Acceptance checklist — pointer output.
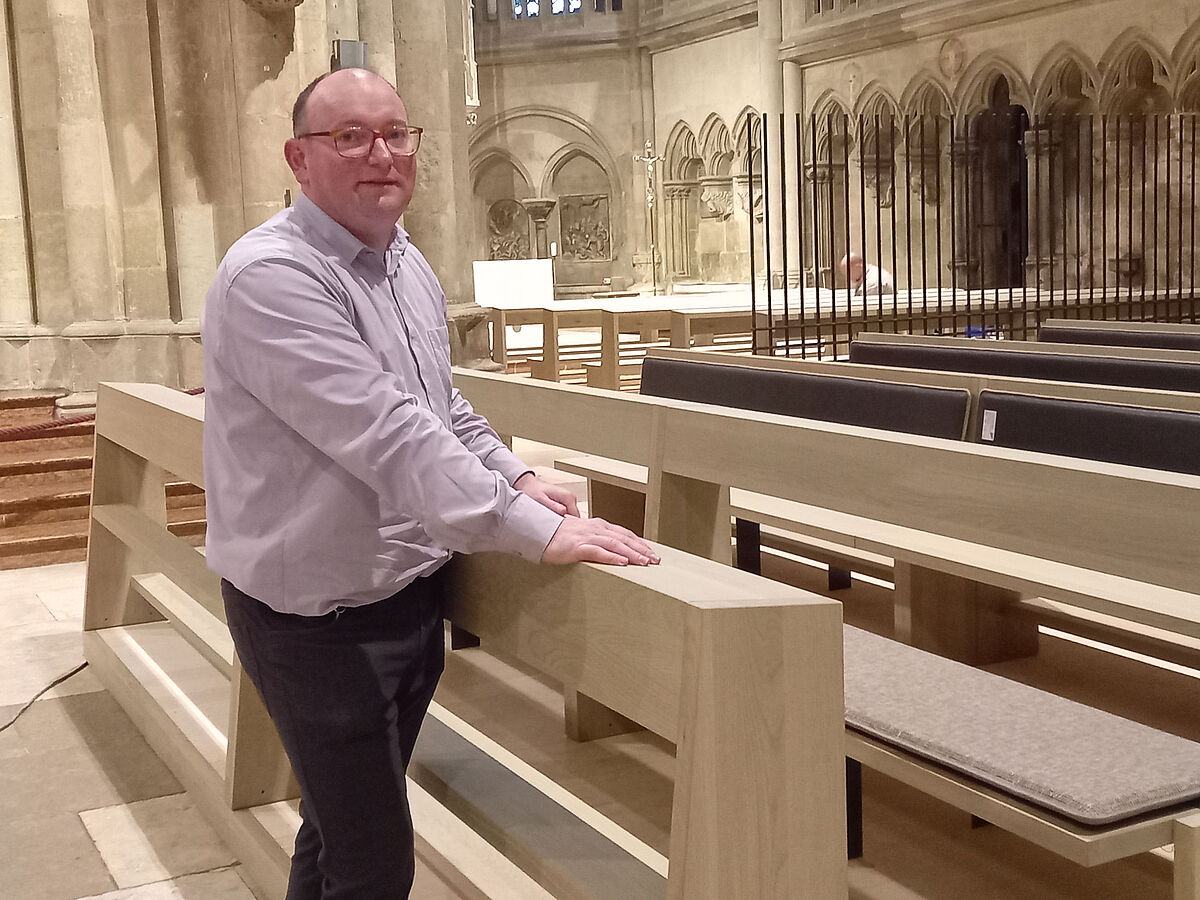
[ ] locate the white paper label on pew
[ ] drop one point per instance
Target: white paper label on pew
(989, 425)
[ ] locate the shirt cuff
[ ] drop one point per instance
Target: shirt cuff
(528, 528)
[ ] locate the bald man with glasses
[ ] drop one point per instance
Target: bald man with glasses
(343, 469)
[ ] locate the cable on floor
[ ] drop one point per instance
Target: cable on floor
(55, 683)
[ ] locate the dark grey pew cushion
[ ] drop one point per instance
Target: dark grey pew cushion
(1085, 764)
(1115, 337)
(1131, 435)
(912, 409)
(1158, 374)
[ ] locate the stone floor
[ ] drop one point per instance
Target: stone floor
(88, 809)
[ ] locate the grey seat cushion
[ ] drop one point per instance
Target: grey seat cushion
(1082, 763)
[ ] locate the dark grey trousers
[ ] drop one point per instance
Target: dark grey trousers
(347, 692)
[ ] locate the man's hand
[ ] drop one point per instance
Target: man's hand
(594, 540)
(550, 496)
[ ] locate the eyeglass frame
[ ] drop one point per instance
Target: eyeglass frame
(375, 136)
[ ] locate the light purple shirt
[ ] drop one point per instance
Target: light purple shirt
(340, 463)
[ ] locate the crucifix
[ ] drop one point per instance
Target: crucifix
(650, 159)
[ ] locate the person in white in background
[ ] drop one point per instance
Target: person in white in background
(864, 278)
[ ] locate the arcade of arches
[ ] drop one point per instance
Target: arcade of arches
(138, 140)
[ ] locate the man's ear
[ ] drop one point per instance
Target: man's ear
(297, 159)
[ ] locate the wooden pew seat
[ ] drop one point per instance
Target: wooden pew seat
(1081, 782)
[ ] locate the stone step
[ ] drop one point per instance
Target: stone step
(43, 463)
(45, 436)
(73, 490)
(44, 543)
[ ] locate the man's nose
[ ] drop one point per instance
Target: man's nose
(376, 144)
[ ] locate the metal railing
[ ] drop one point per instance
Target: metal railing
(984, 225)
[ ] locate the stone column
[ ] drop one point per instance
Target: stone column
(770, 35)
(539, 210)
(91, 230)
(643, 229)
(121, 39)
(966, 256)
(432, 81)
(821, 175)
(1039, 144)
(676, 214)
(197, 137)
(793, 105)
(265, 78)
(16, 294)
(375, 25)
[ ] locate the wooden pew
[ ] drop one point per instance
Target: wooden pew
(1159, 426)
(1111, 333)
(700, 653)
(1177, 370)
(959, 518)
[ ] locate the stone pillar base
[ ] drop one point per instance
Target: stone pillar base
(469, 342)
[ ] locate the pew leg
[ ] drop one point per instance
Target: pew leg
(839, 579)
(460, 638)
(1187, 857)
(958, 618)
(749, 552)
(854, 823)
(589, 720)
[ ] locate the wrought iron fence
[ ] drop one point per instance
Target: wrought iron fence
(981, 225)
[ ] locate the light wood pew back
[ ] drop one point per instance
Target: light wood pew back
(700, 653)
(1012, 501)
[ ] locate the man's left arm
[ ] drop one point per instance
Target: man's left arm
(481, 439)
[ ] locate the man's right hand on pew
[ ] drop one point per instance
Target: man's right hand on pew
(598, 541)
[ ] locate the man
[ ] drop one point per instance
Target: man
(865, 279)
(342, 470)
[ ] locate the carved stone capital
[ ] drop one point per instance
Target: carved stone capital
(272, 7)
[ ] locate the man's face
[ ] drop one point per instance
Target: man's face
(368, 195)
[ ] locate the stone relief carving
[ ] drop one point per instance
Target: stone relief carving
(508, 230)
(584, 223)
(716, 201)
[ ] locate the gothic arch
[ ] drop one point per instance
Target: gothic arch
(979, 80)
(748, 120)
(925, 95)
(875, 99)
(1066, 81)
(682, 154)
(491, 128)
(833, 125)
(716, 146)
(492, 155)
(1135, 74)
(564, 155)
(1186, 64)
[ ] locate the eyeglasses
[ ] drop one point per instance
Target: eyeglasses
(356, 141)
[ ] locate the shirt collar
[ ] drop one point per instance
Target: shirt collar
(341, 242)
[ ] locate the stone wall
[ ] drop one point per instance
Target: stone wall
(139, 140)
